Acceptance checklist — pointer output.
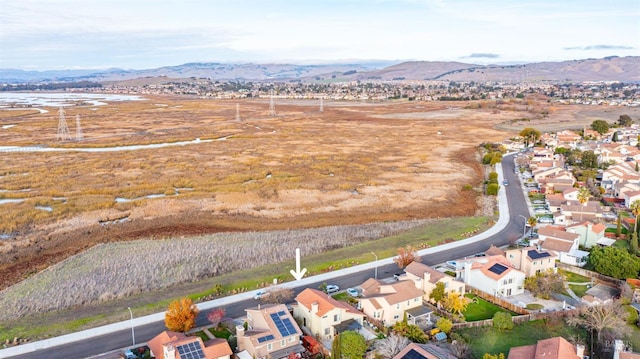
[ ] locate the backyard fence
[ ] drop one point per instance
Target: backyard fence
(519, 319)
(593, 275)
(495, 300)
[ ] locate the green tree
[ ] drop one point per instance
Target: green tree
(614, 262)
(352, 345)
(530, 135)
(625, 121)
(635, 209)
(532, 221)
(619, 226)
(444, 324)
(544, 283)
(589, 159)
(600, 126)
(437, 293)
(583, 198)
(634, 244)
(615, 137)
(336, 347)
(502, 321)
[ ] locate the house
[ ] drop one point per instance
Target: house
(493, 275)
(565, 244)
(426, 279)
(590, 211)
(271, 333)
(173, 345)
(630, 197)
(531, 260)
(388, 302)
(552, 348)
(324, 316)
(589, 233)
(424, 351)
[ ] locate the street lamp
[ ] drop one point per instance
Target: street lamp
(133, 335)
(375, 275)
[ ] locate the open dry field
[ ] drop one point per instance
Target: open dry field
(353, 163)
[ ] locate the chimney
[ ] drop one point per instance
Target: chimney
(240, 337)
(618, 347)
(314, 307)
(169, 352)
(580, 351)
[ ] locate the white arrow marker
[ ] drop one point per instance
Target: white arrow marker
(298, 274)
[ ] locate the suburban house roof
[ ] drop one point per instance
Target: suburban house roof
(267, 324)
(423, 351)
(494, 251)
(595, 228)
(494, 267)
(534, 253)
(325, 302)
(393, 292)
(211, 349)
(552, 348)
(558, 245)
(557, 232)
(419, 269)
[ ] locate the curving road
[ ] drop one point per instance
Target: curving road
(235, 306)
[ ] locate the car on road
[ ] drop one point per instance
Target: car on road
(505, 183)
(353, 292)
(332, 288)
(260, 294)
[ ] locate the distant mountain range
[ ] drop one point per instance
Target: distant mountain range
(623, 69)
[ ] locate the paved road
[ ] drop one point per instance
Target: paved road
(517, 209)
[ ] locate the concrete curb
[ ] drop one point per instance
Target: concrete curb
(503, 221)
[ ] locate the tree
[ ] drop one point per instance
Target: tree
(444, 324)
(635, 209)
(610, 317)
(492, 189)
(502, 321)
(493, 177)
(583, 198)
(615, 137)
(406, 255)
(411, 331)
(391, 345)
(530, 135)
(455, 303)
(352, 345)
(278, 296)
(437, 293)
(588, 159)
(619, 226)
(490, 356)
(600, 126)
(532, 221)
(614, 262)
(216, 315)
(625, 121)
(181, 315)
(336, 347)
(543, 284)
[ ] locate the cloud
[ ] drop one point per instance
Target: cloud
(482, 56)
(600, 47)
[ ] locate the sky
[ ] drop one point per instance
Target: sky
(138, 34)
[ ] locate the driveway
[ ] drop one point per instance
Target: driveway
(525, 298)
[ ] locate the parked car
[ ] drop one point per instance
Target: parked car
(353, 292)
(260, 294)
(538, 201)
(545, 220)
(331, 288)
(397, 276)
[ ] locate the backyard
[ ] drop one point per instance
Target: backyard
(480, 309)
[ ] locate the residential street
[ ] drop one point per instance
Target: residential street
(518, 213)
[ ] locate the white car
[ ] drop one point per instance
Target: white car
(545, 220)
(331, 288)
(259, 294)
(353, 292)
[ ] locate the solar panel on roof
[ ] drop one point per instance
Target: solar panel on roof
(265, 338)
(498, 268)
(289, 326)
(191, 350)
(413, 354)
(281, 313)
(534, 254)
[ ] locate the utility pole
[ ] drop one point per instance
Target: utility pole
(133, 335)
(63, 130)
(272, 106)
(79, 136)
(375, 273)
(238, 113)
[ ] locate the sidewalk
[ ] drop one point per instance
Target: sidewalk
(502, 222)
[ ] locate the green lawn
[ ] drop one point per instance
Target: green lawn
(621, 243)
(572, 277)
(489, 340)
(480, 309)
(202, 335)
(579, 290)
(220, 333)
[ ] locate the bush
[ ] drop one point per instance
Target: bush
(444, 324)
(502, 321)
(492, 189)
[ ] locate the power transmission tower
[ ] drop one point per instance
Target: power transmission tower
(238, 119)
(272, 106)
(321, 106)
(63, 130)
(79, 136)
